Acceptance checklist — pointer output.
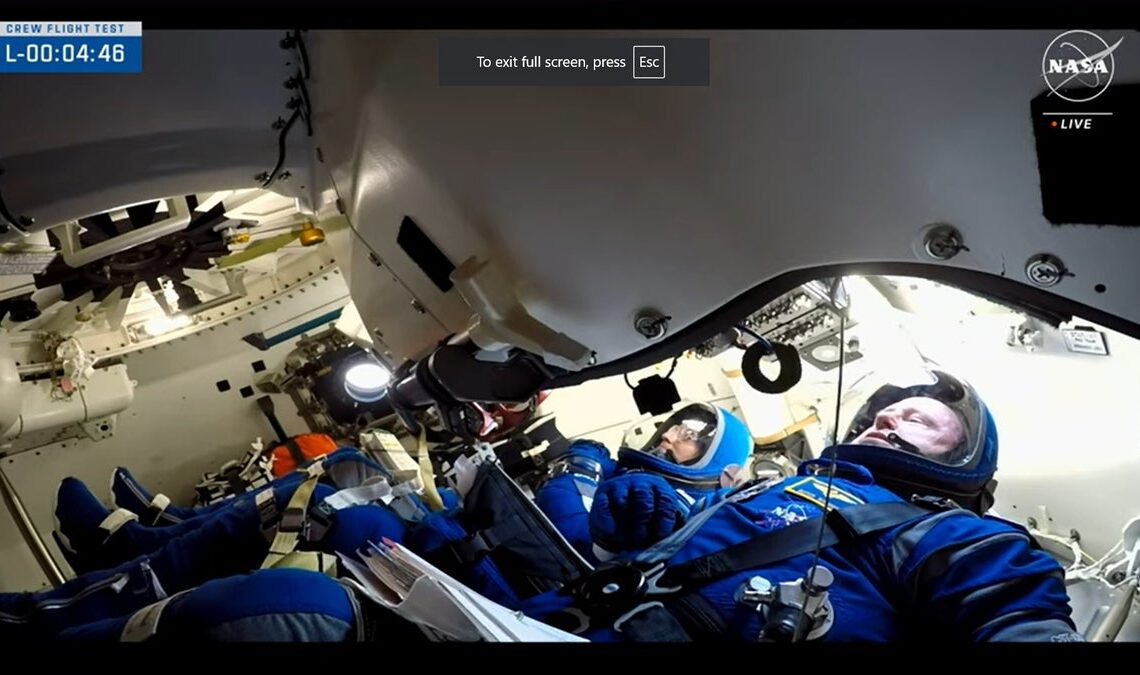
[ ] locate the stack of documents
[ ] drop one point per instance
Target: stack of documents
(447, 610)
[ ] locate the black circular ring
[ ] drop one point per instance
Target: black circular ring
(790, 368)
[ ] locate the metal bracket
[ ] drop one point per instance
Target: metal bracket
(100, 429)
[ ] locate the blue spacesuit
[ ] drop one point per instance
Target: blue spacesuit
(719, 445)
(832, 553)
(206, 558)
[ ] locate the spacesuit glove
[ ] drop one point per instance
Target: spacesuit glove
(634, 511)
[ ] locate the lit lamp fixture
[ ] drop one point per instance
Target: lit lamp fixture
(366, 382)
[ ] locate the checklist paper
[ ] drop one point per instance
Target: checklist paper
(407, 584)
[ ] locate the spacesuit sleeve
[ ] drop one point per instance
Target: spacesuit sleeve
(981, 580)
(566, 497)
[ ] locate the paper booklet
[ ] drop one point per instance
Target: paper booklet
(447, 610)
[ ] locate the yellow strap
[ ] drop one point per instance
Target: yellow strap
(431, 495)
(788, 431)
(284, 542)
(313, 561)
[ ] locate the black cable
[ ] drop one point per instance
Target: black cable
(625, 376)
(759, 338)
(7, 215)
(281, 148)
(810, 580)
(300, 42)
(306, 106)
(306, 71)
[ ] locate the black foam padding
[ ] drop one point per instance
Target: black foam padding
(1085, 173)
(425, 253)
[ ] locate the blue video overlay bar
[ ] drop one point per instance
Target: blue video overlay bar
(71, 47)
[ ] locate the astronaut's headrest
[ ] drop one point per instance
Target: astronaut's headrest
(926, 432)
(695, 444)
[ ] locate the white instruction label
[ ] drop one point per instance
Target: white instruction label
(1085, 341)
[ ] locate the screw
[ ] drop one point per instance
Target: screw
(375, 259)
(1045, 270)
(1031, 522)
(418, 307)
(943, 242)
(651, 324)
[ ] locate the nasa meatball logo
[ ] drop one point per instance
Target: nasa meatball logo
(1078, 65)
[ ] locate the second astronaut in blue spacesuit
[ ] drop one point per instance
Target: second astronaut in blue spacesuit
(698, 450)
(881, 539)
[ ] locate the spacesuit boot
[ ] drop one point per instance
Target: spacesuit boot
(154, 508)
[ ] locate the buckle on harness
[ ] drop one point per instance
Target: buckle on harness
(934, 503)
(293, 520)
(615, 587)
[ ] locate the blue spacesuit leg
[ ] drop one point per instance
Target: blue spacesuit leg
(274, 605)
(88, 546)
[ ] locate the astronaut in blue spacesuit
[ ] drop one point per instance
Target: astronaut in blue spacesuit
(695, 452)
(881, 539)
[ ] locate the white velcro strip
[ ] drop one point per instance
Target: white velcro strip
(117, 519)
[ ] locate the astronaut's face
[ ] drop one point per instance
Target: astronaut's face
(926, 423)
(680, 444)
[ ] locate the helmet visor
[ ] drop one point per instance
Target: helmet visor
(686, 436)
(930, 414)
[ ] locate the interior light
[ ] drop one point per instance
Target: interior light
(366, 382)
